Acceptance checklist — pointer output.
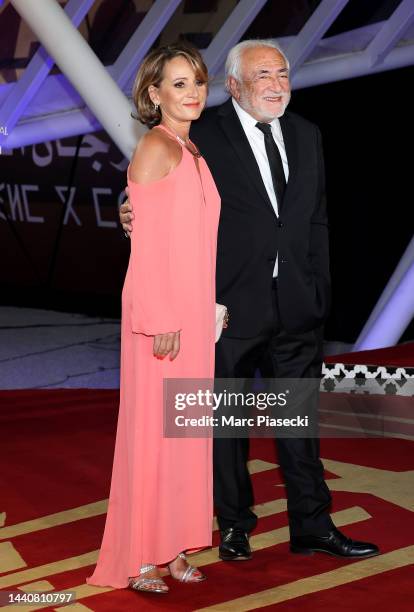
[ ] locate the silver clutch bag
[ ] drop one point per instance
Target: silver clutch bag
(221, 314)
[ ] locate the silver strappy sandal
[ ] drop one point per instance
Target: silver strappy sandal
(191, 574)
(148, 585)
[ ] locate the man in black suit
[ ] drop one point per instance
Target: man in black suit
(273, 276)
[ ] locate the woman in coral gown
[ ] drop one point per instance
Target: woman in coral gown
(161, 501)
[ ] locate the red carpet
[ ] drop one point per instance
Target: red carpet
(56, 455)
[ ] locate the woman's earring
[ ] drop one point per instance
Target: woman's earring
(156, 107)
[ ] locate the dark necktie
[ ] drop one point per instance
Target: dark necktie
(275, 162)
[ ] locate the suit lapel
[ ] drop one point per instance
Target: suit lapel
(232, 128)
(291, 146)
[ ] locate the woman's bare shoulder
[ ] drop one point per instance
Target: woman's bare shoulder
(154, 157)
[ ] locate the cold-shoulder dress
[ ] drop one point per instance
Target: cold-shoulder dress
(161, 497)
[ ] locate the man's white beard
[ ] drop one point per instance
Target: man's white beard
(249, 108)
(286, 100)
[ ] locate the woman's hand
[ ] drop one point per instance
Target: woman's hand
(226, 320)
(165, 344)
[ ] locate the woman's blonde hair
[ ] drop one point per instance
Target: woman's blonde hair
(151, 73)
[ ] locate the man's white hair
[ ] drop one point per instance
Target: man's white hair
(233, 61)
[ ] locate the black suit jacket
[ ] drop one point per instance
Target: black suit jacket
(250, 233)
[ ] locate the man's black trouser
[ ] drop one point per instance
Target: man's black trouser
(281, 355)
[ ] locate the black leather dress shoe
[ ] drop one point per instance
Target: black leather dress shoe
(234, 545)
(335, 543)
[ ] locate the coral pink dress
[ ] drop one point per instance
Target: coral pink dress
(161, 498)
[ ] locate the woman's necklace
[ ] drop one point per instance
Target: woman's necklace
(190, 146)
(192, 149)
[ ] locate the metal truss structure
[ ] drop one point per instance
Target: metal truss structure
(88, 96)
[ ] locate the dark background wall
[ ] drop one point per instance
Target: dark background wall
(367, 128)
